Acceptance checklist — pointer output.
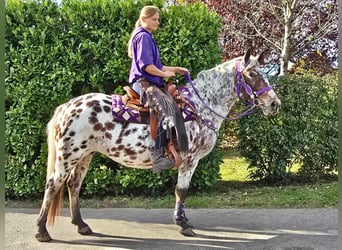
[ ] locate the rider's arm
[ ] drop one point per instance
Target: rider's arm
(153, 70)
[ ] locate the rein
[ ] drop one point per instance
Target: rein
(241, 84)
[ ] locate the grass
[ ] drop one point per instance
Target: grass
(235, 190)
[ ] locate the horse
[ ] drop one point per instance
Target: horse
(84, 125)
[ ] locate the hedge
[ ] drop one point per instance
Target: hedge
(56, 52)
(304, 135)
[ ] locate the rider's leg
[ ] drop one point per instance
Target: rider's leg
(160, 160)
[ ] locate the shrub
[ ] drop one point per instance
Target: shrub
(304, 132)
(54, 53)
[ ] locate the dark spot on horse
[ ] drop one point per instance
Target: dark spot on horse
(113, 149)
(75, 149)
(92, 120)
(66, 139)
(97, 109)
(127, 132)
(121, 147)
(109, 125)
(98, 126)
(134, 130)
(83, 146)
(191, 136)
(133, 158)
(72, 133)
(108, 135)
(78, 104)
(93, 114)
(69, 122)
(49, 183)
(59, 158)
(89, 96)
(66, 155)
(108, 102)
(84, 142)
(79, 110)
(118, 141)
(91, 137)
(90, 104)
(138, 144)
(129, 151)
(107, 109)
(73, 113)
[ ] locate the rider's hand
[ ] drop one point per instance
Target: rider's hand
(182, 70)
(168, 74)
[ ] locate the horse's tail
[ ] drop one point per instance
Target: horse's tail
(57, 202)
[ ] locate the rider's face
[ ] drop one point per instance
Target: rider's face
(151, 23)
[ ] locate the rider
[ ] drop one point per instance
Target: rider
(146, 78)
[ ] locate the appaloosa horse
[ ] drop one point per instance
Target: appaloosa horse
(85, 125)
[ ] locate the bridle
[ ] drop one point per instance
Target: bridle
(241, 84)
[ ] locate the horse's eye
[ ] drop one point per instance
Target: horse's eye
(253, 74)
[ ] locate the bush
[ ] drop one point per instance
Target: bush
(54, 53)
(304, 132)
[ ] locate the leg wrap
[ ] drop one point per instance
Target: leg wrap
(179, 217)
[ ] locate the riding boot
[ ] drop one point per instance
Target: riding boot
(160, 162)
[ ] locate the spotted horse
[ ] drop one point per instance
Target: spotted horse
(85, 125)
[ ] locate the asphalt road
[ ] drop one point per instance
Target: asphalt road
(121, 228)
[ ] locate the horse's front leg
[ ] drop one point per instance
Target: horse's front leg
(181, 191)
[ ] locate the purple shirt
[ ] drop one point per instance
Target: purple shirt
(144, 52)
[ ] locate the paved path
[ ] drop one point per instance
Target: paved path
(120, 228)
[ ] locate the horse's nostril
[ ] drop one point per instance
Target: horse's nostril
(275, 105)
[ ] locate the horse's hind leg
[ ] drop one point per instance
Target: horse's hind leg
(51, 204)
(74, 183)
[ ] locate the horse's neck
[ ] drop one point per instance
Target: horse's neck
(217, 89)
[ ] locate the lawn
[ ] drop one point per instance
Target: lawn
(235, 190)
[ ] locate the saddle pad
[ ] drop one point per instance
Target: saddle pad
(122, 113)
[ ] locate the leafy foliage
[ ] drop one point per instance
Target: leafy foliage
(56, 52)
(304, 132)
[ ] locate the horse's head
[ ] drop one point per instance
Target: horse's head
(254, 87)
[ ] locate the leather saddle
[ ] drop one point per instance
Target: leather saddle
(132, 100)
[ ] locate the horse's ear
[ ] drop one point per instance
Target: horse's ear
(262, 56)
(246, 56)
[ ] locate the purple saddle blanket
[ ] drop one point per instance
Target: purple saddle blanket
(122, 113)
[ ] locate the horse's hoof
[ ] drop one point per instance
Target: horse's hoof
(85, 230)
(188, 224)
(43, 237)
(187, 232)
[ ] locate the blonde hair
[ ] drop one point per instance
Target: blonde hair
(146, 11)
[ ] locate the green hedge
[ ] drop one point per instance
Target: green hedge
(54, 53)
(304, 133)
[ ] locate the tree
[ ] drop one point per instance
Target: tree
(291, 29)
